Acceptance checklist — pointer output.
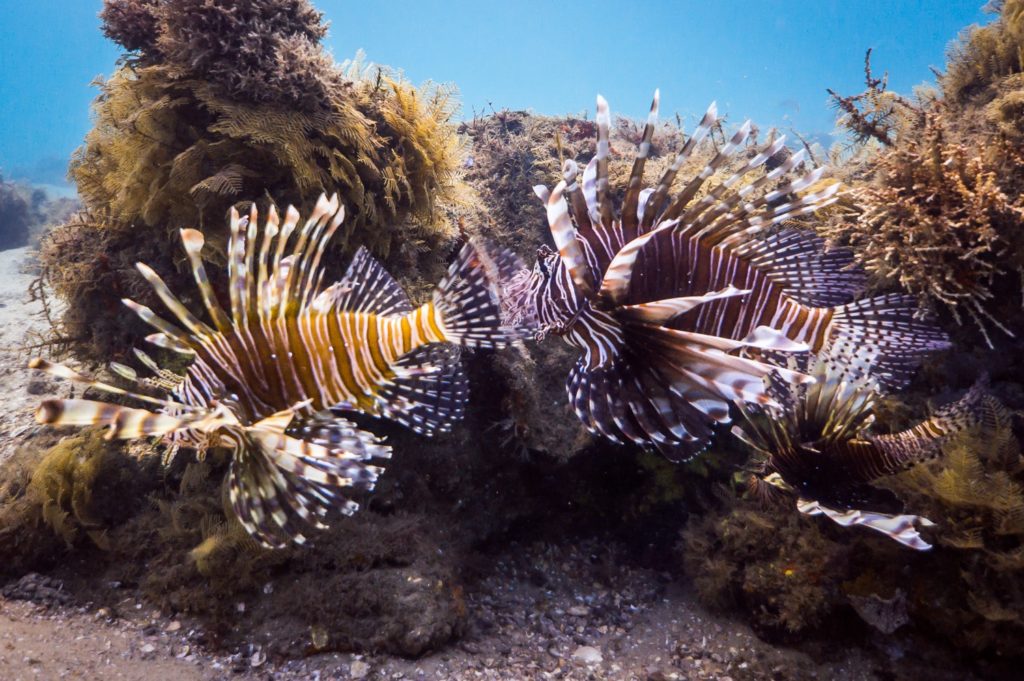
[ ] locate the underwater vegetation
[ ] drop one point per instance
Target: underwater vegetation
(269, 380)
(940, 208)
(216, 104)
(679, 302)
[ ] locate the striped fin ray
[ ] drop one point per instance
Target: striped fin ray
(122, 422)
(604, 203)
(428, 393)
(799, 262)
(715, 196)
(61, 371)
(191, 322)
(569, 247)
(655, 205)
(662, 311)
(631, 202)
(900, 451)
(280, 484)
(193, 241)
(880, 337)
(366, 287)
(899, 528)
(682, 199)
(469, 297)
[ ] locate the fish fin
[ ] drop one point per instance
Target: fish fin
(569, 246)
(799, 263)
(631, 201)
(662, 311)
(189, 320)
(193, 241)
(604, 121)
(656, 204)
(366, 287)
(880, 337)
(280, 484)
(732, 147)
(924, 441)
(630, 399)
(470, 296)
(124, 423)
(899, 528)
(428, 393)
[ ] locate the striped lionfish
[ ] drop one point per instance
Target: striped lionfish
(266, 380)
(682, 305)
(816, 446)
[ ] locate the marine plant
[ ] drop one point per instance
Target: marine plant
(939, 198)
(938, 221)
(267, 380)
(975, 493)
(681, 303)
(218, 102)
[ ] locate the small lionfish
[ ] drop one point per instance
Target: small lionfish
(815, 445)
(663, 293)
(265, 381)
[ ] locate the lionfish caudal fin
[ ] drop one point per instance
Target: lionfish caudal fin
(900, 528)
(471, 296)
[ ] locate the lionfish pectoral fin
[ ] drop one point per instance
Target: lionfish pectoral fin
(279, 484)
(124, 422)
(899, 528)
(428, 391)
(471, 296)
(767, 338)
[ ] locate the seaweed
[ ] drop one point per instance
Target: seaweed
(219, 101)
(937, 179)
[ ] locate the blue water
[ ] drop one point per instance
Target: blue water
(766, 60)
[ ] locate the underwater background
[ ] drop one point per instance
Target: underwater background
(525, 543)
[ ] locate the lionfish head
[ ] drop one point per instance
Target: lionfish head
(540, 297)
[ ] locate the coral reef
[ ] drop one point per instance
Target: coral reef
(185, 129)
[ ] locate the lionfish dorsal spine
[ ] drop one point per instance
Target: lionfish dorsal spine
(630, 206)
(655, 204)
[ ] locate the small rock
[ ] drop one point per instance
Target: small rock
(359, 670)
(174, 626)
(579, 611)
(588, 655)
(148, 649)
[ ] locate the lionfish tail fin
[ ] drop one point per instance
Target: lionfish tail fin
(280, 484)
(470, 297)
(900, 528)
(881, 337)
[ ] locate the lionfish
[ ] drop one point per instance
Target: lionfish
(682, 305)
(268, 379)
(816, 446)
